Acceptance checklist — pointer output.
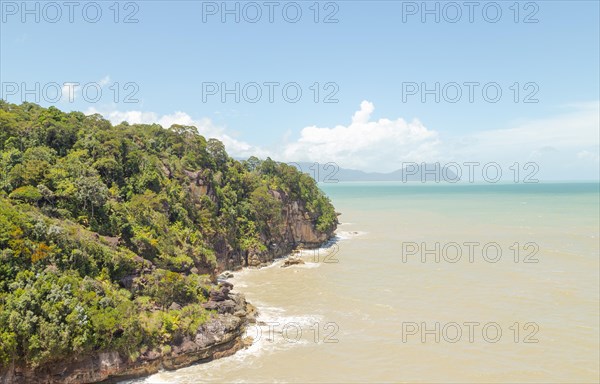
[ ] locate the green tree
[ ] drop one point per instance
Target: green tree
(216, 149)
(27, 194)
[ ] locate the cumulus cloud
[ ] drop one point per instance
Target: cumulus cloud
(365, 143)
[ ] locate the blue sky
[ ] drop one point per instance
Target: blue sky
(371, 59)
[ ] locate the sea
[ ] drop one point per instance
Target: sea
(430, 283)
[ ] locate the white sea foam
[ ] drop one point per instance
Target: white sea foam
(309, 265)
(347, 235)
(275, 330)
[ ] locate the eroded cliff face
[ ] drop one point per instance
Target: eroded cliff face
(298, 229)
(221, 336)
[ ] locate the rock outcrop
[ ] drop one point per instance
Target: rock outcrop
(221, 336)
(298, 230)
(292, 261)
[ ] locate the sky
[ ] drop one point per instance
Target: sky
(369, 85)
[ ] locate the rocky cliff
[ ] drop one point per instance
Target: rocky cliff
(298, 229)
(220, 336)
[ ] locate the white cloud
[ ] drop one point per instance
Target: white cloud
(570, 131)
(564, 146)
(70, 90)
(589, 156)
(104, 81)
(364, 144)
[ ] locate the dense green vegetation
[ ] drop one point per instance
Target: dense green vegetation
(103, 227)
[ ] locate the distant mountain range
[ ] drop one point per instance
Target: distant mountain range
(331, 172)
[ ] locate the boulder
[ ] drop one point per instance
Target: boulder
(292, 261)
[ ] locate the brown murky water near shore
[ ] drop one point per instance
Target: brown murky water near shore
(386, 304)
